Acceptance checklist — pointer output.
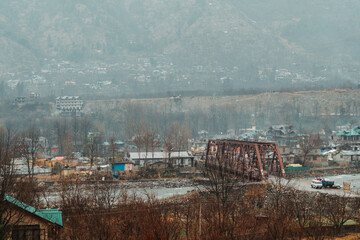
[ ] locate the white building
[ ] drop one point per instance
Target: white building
(69, 104)
(175, 159)
(344, 157)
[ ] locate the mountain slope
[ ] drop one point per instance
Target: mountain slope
(190, 32)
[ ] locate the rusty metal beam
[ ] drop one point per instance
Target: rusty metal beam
(250, 160)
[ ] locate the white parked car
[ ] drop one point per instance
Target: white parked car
(316, 184)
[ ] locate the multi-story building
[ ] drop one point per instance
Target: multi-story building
(285, 135)
(349, 136)
(68, 104)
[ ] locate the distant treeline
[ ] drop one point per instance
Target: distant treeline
(223, 92)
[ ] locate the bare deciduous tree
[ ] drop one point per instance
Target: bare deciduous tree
(113, 149)
(339, 209)
(92, 148)
(307, 143)
(29, 147)
(176, 139)
(226, 191)
(25, 190)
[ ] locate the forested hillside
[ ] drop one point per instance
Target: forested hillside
(246, 34)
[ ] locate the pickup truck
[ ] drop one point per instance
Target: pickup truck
(316, 184)
(327, 183)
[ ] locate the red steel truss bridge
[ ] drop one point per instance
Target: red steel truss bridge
(252, 161)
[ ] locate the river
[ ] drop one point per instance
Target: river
(154, 189)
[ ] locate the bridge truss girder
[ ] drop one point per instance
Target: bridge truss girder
(253, 161)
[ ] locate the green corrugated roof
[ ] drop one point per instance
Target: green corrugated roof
(248, 134)
(341, 133)
(303, 135)
(51, 215)
(355, 131)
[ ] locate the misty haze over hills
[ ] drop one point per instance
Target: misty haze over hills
(181, 45)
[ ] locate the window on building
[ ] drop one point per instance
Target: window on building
(27, 232)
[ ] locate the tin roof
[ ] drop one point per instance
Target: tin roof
(159, 155)
(51, 215)
(355, 131)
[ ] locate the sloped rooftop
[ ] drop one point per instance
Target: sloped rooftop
(159, 155)
(51, 215)
(355, 131)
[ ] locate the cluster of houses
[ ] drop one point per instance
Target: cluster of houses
(341, 149)
(32, 97)
(124, 162)
(148, 74)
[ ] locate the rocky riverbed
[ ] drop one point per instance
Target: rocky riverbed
(160, 189)
(153, 184)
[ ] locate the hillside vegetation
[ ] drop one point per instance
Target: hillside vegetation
(305, 110)
(243, 33)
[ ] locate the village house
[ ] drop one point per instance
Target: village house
(285, 135)
(351, 135)
(316, 158)
(32, 223)
(287, 154)
(343, 157)
(174, 159)
(252, 135)
(123, 166)
(291, 155)
(60, 160)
